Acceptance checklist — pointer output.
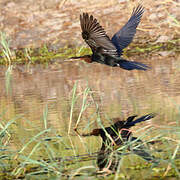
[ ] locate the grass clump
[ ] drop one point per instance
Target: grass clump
(49, 53)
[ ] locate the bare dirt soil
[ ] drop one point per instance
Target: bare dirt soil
(35, 22)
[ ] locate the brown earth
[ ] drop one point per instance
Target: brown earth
(35, 22)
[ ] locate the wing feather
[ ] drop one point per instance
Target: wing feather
(125, 35)
(95, 36)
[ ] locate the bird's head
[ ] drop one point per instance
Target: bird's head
(96, 132)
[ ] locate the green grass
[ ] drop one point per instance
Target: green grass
(6, 52)
(46, 54)
(153, 47)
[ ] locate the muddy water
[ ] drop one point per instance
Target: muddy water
(116, 91)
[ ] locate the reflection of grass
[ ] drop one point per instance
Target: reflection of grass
(8, 77)
(174, 21)
(42, 152)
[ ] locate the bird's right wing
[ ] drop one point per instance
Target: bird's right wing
(130, 118)
(142, 118)
(95, 36)
(125, 35)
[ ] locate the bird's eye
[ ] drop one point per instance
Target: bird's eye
(85, 35)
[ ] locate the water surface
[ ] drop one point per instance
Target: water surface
(117, 92)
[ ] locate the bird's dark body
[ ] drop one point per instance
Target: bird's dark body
(117, 62)
(108, 60)
(108, 51)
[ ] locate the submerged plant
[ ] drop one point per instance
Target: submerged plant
(8, 77)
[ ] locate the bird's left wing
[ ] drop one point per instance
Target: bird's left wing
(125, 35)
(95, 36)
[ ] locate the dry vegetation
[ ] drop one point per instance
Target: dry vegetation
(33, 23)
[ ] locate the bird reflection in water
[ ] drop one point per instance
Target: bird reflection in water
(119, 135)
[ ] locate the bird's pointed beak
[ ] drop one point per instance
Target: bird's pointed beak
(86, 58)
(75, 58)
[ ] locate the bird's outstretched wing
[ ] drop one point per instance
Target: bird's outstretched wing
(143, 118)
(130, 119)
(95, 36)
(125, 35)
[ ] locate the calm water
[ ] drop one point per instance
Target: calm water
(116, 91)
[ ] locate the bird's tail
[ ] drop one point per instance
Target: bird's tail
(131, 65)
(143, 118)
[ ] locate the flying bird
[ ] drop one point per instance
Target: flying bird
(108, 51)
